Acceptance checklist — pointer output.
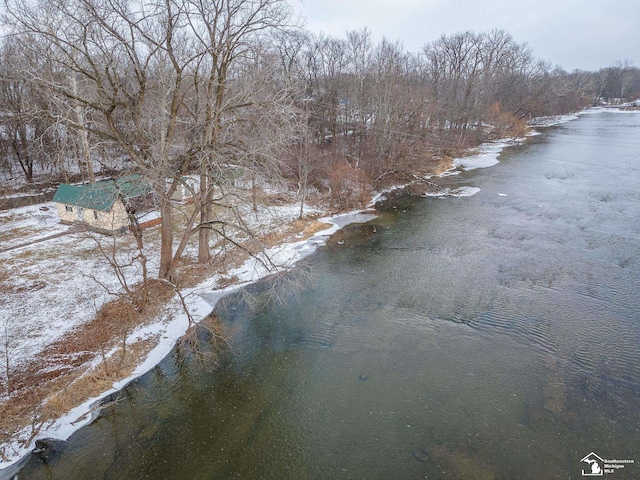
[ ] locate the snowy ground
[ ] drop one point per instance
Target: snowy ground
(44, 291)
(48, 288)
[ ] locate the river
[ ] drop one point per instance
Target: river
(490, 336)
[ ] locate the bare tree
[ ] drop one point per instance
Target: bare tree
(129, 78)
(325, 63)
(389, 64)
(231, 34)
(9, 336)
(166, 82)
(360, 108)
(24, 112)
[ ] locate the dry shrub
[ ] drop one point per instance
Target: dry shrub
(314, 227)
(224, 282)
(267, 240)
(350, 187)
(505, 124)
(298, 225)
(203, 343)
(73, 390)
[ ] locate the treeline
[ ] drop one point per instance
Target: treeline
(173, 87)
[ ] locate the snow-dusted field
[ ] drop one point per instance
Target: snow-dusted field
(48, 288)
(44, 291)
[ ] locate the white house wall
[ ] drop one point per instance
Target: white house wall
(67, 217)
(111, 221)
(184, 193)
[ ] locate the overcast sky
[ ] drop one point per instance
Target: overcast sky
(584, 34)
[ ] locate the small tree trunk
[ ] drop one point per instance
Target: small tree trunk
(254, 195)
(204, 233)
(84, 136)
(166, 240)
(303, 175)
(7, 364)
(136, 230)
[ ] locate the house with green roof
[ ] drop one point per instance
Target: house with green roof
(102, 206)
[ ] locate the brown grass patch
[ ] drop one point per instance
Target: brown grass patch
(191, 273)
(227, 281)
(58, 378)
(74, 390)
(27, 253)
(5, 275)
(314, 227)
(296, 230)
(441, 165)
(20, 232)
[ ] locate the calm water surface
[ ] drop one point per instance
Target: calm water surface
(483, 337)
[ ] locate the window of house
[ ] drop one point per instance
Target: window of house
(95, 214)
(68, 208)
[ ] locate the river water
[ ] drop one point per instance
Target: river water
(491, 336)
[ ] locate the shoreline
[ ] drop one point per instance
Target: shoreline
(201, 301)
(202, 298)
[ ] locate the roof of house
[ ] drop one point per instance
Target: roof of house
(102, 195)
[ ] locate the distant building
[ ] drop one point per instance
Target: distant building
(227, 174)
(187, 188)
(102, 206)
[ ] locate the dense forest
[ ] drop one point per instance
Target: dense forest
(166, 88)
